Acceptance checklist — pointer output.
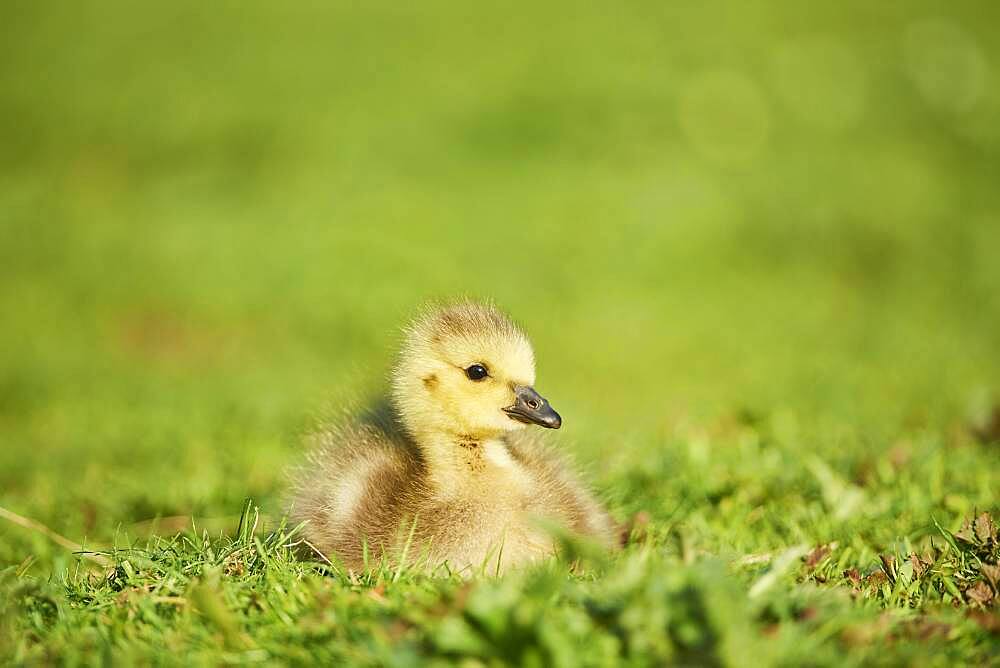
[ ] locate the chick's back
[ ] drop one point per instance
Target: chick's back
(360, 483)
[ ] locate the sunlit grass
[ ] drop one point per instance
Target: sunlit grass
(755, 248)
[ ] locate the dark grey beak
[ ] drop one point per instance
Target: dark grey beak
(531, 408)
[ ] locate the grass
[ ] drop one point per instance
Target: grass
(754, 247)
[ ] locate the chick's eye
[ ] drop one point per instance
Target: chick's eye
(476, 372)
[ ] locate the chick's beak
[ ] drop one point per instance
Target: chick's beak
(532, 408)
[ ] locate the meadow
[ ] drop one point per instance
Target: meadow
(755, 246)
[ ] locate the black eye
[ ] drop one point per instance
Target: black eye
(476, 372)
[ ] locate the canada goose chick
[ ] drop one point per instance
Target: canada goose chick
(451, 477)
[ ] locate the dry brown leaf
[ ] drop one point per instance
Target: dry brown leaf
(817, 555)
(965, 533)
(919, 567)
(985, 529)
(979, 593)
(992, 574)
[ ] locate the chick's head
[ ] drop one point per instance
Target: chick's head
(468, 371)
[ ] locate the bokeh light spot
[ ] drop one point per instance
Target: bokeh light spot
(946, 64)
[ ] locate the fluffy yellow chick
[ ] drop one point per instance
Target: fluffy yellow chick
(450, 475)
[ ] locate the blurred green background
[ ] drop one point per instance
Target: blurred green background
(214, 218)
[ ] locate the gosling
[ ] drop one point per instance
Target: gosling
(449, 476)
